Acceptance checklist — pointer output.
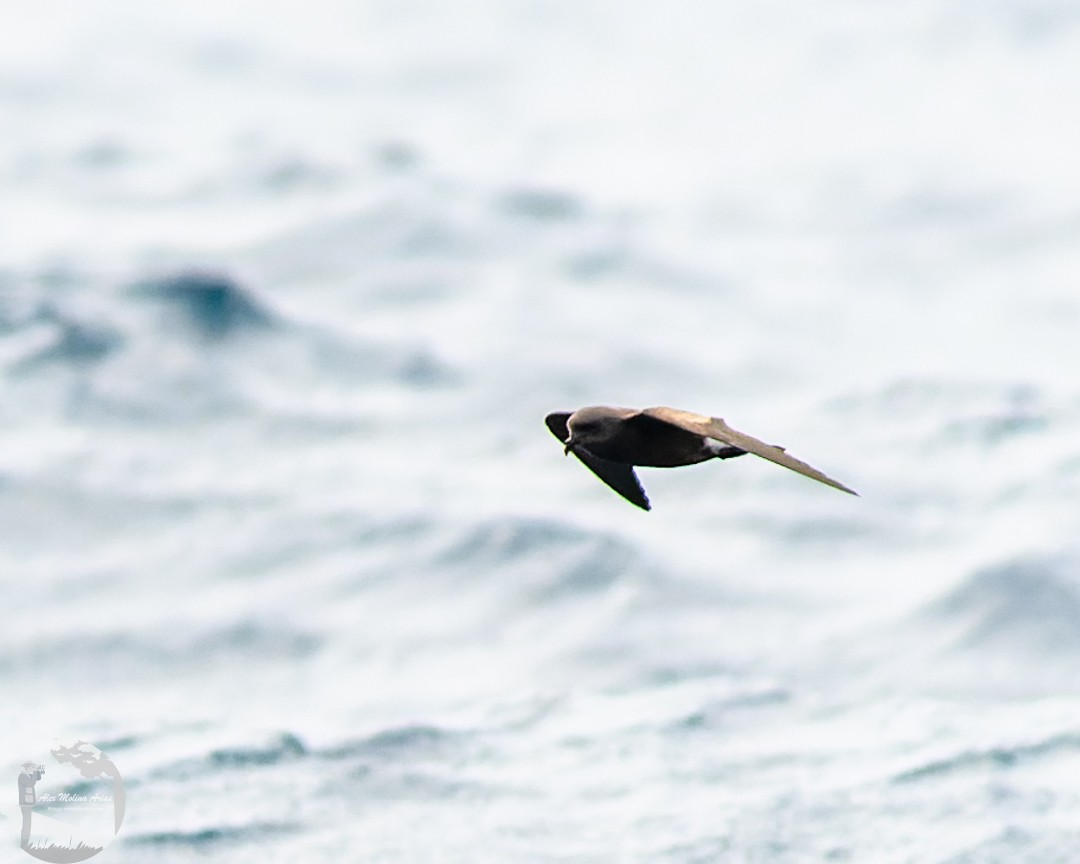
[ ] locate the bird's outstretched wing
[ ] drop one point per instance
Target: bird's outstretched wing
(556, 422)
(617, 475)
(717, 429)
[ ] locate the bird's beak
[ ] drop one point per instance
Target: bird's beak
(569, 446)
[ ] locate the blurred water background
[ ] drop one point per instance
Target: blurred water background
(285, 293)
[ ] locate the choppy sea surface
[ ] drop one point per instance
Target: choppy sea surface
(285, 293)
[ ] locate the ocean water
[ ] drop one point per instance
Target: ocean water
(285, 294)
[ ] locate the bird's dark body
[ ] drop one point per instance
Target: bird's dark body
(650, 443)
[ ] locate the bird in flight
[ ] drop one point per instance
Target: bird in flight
(611, 441)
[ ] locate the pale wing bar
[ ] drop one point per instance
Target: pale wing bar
(714, 427)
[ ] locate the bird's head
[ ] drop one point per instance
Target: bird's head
(585, 426)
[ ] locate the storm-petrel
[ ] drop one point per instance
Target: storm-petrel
(611, 441)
